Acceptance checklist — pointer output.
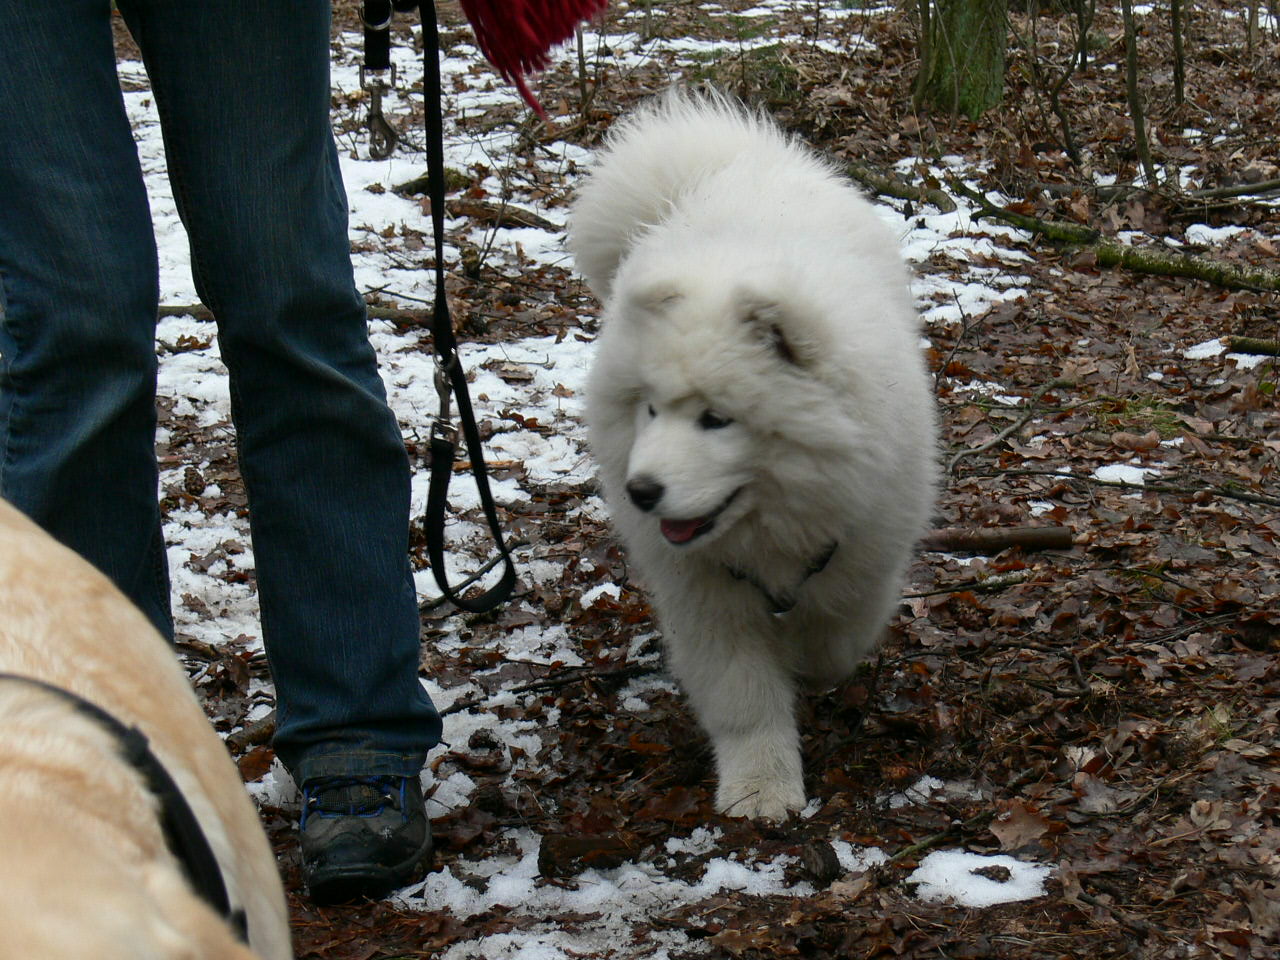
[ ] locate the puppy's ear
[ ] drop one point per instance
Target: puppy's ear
(773, 324)
(653, 299)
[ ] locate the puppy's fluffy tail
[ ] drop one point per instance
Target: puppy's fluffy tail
(650, 158)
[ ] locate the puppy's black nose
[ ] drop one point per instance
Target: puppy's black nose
(645, 492)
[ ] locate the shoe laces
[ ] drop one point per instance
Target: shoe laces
(351, 796)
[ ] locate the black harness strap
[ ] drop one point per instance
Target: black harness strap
(780, 604)
(451, 379)
(181, 829)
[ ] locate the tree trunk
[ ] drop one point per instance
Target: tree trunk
(1179, 59)
(962, 56)
(1136, 111)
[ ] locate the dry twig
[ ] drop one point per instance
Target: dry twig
(1139, 259)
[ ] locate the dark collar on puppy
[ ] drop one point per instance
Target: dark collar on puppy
(786, 602)
(182, 830)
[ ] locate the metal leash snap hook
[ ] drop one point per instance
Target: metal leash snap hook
(443, 427)
(382, 136)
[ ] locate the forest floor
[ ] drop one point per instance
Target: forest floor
(1105, 716)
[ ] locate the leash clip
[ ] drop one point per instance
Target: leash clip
(443, 428)
(382, 136)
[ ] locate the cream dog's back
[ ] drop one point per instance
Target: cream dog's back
(87, 870)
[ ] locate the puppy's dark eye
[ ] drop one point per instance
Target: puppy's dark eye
(652, 412)
(710, 420)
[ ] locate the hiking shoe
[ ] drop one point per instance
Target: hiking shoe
(362, 836)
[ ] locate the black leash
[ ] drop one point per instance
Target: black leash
(451, 379)
(181, 829)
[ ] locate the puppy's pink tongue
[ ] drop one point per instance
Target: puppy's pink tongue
(681, 531)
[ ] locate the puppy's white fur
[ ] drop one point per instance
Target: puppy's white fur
(86, 870)
(760, 361)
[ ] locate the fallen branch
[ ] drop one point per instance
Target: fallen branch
(1104, 192)
(991, 540)
(253, 734)
(1134, 925)
(1152, 486)
(503, 214)
(891, 185)
(583, 674)
(1261, 189)
(564, 678)
(418, 186)
(1264, 348)
(1190, 200)
(567, 856)
(1139, 259)
(1011, 429)
(197, 310)
(396, 315)
(977, 820)
(991, 584)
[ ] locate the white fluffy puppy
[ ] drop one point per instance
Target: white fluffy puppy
(761, 415)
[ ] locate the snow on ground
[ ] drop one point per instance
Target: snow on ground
(194, 379)
(977, 881)
(1127, 473)
(630, 894)
(1216, 348)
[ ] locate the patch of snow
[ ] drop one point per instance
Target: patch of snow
(992, 390)
(853, 859)
(919, 792)
(633, 694)
(928, 788)
(1202, 233)
(1126, 473)
(452, 793)
(952, 875)
(1247, 361)
(608, 591)
(702, 840)
(275, 788)
(605, 900)
(1202, 351)
(811, 809)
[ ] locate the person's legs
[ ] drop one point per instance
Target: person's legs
(77, 299)
(243, 92)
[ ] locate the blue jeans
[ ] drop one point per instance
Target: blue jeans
(243, 93)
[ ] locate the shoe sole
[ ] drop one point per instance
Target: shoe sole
(365, 881)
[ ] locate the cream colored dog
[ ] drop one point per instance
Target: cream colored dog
(85, 868)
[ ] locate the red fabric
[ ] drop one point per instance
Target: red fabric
(517, 35)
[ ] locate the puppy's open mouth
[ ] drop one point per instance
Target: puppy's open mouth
(686, 531)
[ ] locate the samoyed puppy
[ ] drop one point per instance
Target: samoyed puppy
(761, 416)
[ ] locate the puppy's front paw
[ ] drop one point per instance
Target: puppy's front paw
(760, 797)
